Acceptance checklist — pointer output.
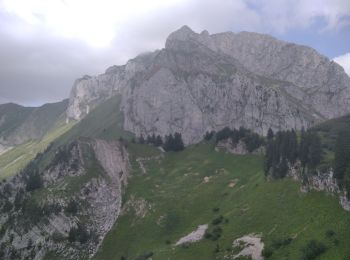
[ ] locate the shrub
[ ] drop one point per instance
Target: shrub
(78, 233)
(215, 235)
(216, 209)
(72, 207)
(217, 220)
(34, 181)
(267, 252)
(312, 250)
(330, 233)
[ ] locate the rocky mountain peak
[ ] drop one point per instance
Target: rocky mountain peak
(201, 82)
(183, 34)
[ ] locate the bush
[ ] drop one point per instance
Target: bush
(267, 252)
(72, 207)
(330, 233)
(34, 181)
(216, 209)
(7, 206)
(218, 220)
(312, 250)
(78, 234)
(209, 135)
(215, 235)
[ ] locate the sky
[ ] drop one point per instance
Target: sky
(46, 44)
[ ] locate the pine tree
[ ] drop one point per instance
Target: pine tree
(168, 143)
(141, 139)
(346, 182)
(270, 134)
(149, 139)
(178, 143)
(342, 155)
(315, 150)
(158, 141)
(173, 143)
(303, 149)
(153, 139)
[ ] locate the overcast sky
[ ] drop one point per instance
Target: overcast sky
(46, 44)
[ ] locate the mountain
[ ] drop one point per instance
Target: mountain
(78, 185)
(202, 82)
(20, 124)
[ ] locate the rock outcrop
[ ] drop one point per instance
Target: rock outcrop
(77, 203)
(202, 82)
(320, 181)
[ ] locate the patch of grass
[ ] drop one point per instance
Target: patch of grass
(175, 185)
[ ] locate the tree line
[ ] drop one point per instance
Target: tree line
(251, 140)
(342, 161)
(171, 142)
(284, 149)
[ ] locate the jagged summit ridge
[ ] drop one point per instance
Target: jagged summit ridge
(202, 82)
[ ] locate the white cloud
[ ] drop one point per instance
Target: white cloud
(344, 61)
(49, 43)
(98, 22)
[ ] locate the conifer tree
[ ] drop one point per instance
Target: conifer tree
(158, 141)
(270, 134)
(141, 139)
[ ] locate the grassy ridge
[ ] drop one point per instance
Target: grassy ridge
(105, 122)
(15, 159)
(178, 200)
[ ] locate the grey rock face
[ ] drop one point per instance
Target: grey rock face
(202, 82)
(321, 181)
(68, 177)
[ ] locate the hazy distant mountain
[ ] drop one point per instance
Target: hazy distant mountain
(19, 124)
(202, 82)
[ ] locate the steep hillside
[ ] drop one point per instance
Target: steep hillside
(63, 207)
(202, 82)
(199, 186)
(106, 122)
(94, 191)
(16, 158)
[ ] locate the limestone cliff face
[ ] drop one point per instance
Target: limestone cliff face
(320, 181)
(202, 82)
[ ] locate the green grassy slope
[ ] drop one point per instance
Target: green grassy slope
(15, 159)
(105, 122)
(25, 123)
(179, 200)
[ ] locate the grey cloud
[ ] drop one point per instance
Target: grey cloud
(37, 66)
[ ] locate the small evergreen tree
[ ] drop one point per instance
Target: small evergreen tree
(178, 143)
(141, 139)
(168, 143)
(270, 134)
(72, 207)
(158, 141)
(34, 181)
